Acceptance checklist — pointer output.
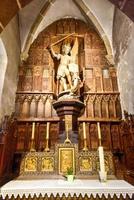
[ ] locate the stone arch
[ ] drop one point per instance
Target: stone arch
(86, 12)
(3, 66)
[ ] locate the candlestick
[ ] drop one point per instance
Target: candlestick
(33, 130)
(47, 146)
(67, 135)
(85, 145)
(67, 131)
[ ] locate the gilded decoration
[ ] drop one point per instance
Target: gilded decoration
(85, 164)
(30, 164)
(66, 159)
(47, 164)
(38, 163)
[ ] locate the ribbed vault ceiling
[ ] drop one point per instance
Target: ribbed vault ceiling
(9, 8)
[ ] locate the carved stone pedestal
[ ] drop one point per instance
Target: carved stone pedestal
(69, 110)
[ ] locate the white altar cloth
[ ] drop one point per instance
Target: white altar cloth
(54, 186)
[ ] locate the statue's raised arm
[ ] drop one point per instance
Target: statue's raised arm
(55, 55)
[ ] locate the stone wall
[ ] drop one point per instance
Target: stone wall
(103, 11)
(123, 42)
(3, 65)
(11, 41)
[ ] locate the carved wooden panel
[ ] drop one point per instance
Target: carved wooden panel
(98, 79)
(102, 105)
(21, 138)
(89, 80)
(115, 137)
(54, 133)
(106, 139)
(93, 134)
(37, 78)
(103, 109)
(107, 84)
(41, 137)
(46, 80)
(28, 80)
(114, 79)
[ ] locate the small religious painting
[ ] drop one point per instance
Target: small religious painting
(47, 164)
(31, 164)
(66, 160)
(85, 164)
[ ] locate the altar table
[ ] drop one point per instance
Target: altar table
(58, 186)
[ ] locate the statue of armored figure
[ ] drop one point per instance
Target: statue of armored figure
(68, 70)
(63, 70)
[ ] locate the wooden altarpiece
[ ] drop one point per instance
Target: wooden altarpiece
(37, 89)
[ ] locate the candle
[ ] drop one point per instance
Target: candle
(101, 159)
(84, 130)
(33, 130)
(99, 130)
(47, 134)
(67, 131)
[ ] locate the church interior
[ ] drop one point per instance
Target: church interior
(66, 99)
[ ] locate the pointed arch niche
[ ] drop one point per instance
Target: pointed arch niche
(75, 9)
(37, 75)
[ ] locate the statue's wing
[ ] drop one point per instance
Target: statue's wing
(74, 50)
(73, 66)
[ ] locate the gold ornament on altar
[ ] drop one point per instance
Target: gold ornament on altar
(47, 164)
(31, 164)
(85, 164)
(66, 160)
(67, 140)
